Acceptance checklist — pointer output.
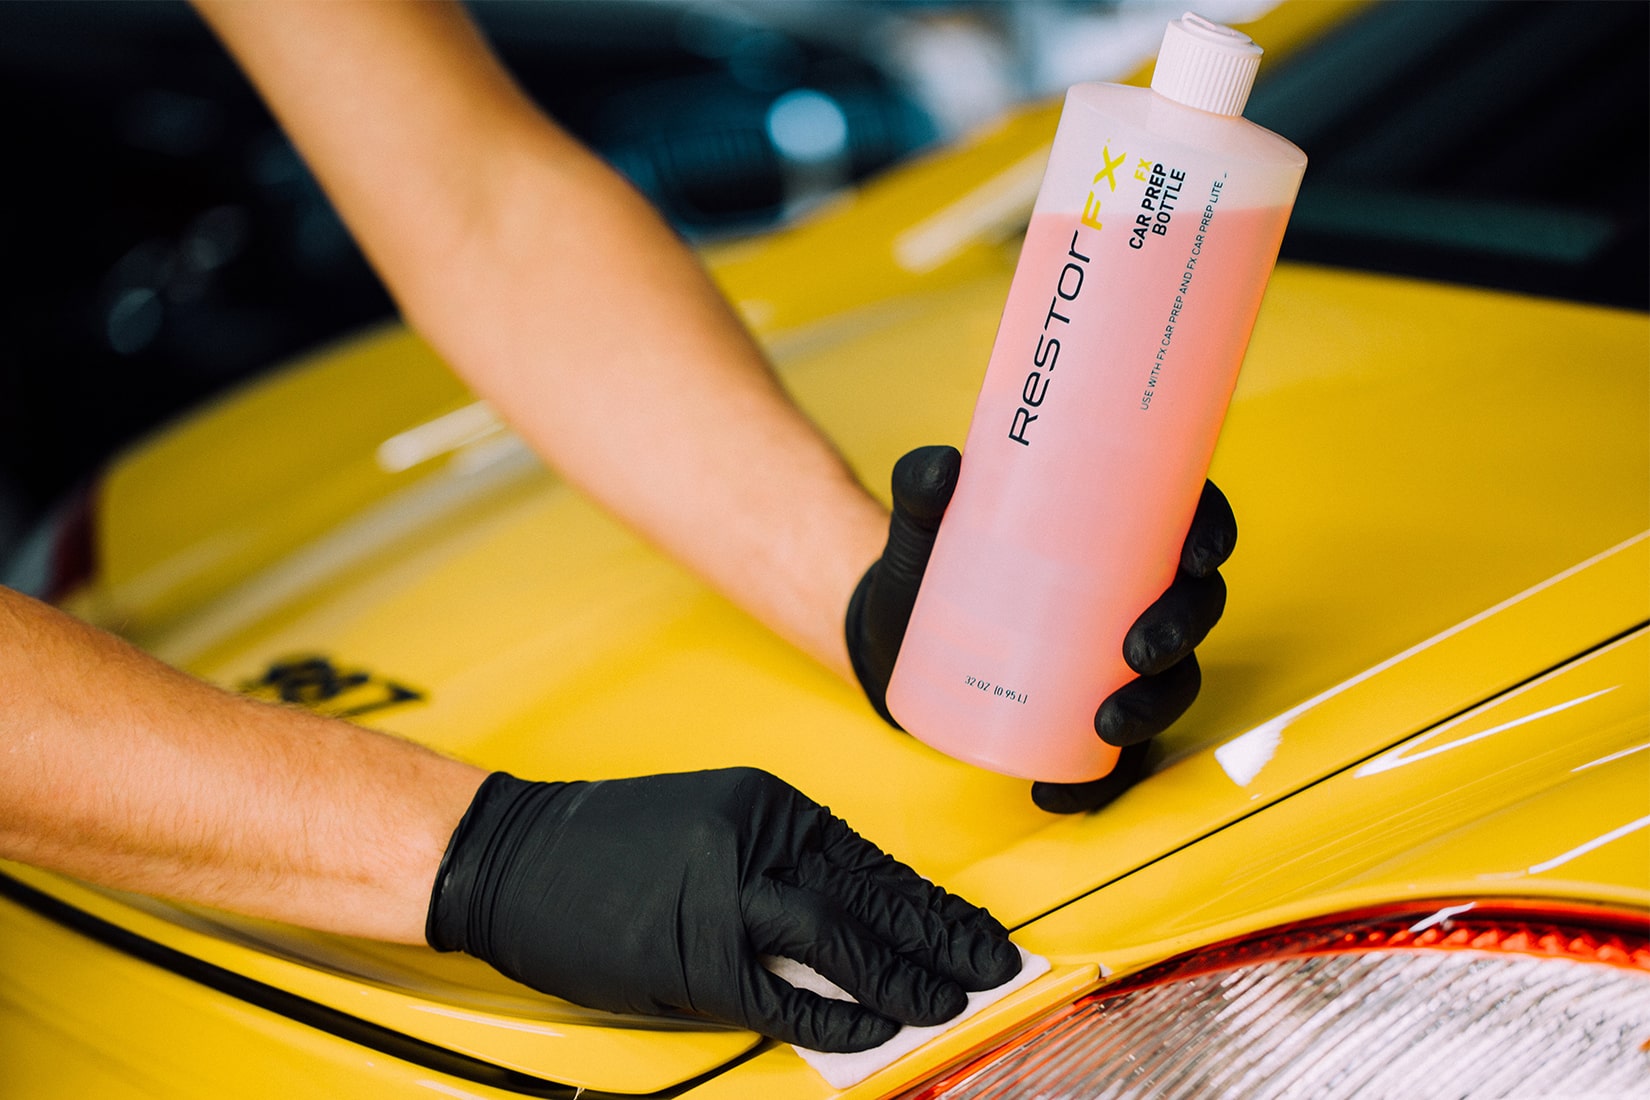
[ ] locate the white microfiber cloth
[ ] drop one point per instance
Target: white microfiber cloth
(842, 1070)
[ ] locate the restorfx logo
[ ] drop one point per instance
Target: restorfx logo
(1068, 284)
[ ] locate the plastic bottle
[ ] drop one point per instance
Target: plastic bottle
(1158, 222)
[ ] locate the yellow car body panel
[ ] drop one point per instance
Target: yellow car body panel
(169, 545)
(538, 627)
(81, 1019)
(1445, 566)
(1566, 818)
(551, 642)
(1582, 734)
(1570, 823)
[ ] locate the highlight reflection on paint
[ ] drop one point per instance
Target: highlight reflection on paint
(1406, 754)
(1242, 757)
(1589, 846)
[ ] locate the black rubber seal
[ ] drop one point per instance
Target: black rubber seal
(314, 1014)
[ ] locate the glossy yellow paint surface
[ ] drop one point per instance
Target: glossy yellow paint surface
(449, 1000)
(1543, 792)
(166, 544)
(78, 1020)
(1371, 598)
(1435, 518)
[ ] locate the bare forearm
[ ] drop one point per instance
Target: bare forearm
(613, 354)
(560, 296)
(120, 770)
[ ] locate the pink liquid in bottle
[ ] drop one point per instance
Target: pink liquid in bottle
(1137, 287)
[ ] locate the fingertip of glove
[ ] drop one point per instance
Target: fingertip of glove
(924, 480)
(1059, 798)
(945, 1002)
(1119, 726)
(984, 961)
(852, 1030)
(1214, 533)
(1076, 798)
(1153, 649)
(1145, 707)
(1005, 962)
(1073, 798)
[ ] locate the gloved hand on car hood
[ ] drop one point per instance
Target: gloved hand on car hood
(659, 894)
(1158, 646)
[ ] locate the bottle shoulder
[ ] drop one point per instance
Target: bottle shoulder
(1143, 110)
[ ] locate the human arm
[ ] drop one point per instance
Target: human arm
(120, 770)
(560, 296)
(650, 894)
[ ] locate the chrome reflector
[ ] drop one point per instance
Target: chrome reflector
(1367, 1013)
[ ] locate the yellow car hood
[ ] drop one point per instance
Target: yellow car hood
(1426, 519)
(1442, 492)
(1431, 514)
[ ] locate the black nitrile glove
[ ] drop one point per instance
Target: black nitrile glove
(658, 894)
(880, 607)
(1158, 646)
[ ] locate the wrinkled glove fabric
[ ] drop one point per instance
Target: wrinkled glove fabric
(660, 894)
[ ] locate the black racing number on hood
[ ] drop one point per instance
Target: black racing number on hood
(315, 682)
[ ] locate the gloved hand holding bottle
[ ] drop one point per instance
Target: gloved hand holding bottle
(1084, 496)
(1159, 646)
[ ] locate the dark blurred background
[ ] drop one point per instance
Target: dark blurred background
(162, 240)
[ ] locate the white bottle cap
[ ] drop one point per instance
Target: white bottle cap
(1206, 65)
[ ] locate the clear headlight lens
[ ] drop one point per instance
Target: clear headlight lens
(1459, 1001)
